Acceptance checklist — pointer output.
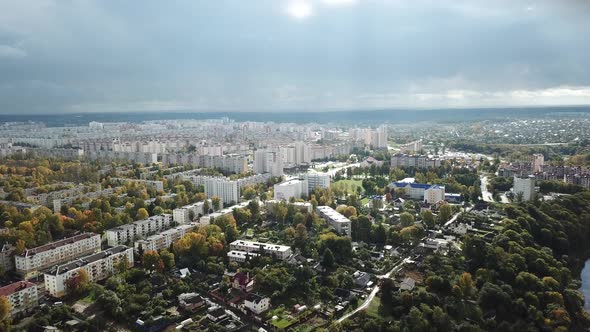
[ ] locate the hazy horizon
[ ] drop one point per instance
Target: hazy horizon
(291, 55)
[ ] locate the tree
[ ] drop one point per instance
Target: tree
(428, 218)
(280, 212)
(328, 259)
(299, 218)
(300, 235)
(380, 235)
(387, 288)
(168, 259)
(216, 202)
(249, 193)
(20, 247)
(79, 282)
(142, 214)
(152, 262)
(444, 213)
(5, 317)
(406, 219)
(231, 233)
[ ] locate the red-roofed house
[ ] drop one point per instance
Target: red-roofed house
(243, 282)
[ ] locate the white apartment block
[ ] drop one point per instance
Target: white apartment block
(99, 266)
(279, 251)
(336, 220)
(376, 137)
(434, 194)
(524, 186)
(225, 189)
(7, 257)
(29, 263)
(23, 297)
(164, 239)
(417, 161)
(182, 215)
(316, 180)
(127, 234)
(431, 193)
(240, 256)
(266, 161)
(294, 188)
(145, 158)
(412, 147)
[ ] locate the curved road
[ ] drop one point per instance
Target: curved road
(374, 292)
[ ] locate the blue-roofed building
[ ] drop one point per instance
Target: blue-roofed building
(430, 193)
(453, 198)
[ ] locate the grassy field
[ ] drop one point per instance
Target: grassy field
(373, 309)
(349, 185)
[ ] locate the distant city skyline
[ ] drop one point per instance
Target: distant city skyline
(291, 55)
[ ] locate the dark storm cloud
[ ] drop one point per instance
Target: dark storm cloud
(65, 56)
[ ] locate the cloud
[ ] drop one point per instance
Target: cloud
(338, 2)
(7, 51)
(291, 54)
(300, 9)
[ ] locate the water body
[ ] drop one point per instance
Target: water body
(585, 276)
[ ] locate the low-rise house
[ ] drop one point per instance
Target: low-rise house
(256, 303)
(190, 301)
(361, 279)
(242, 281)
(279, 251)
(216, 314)
(23, 297)
(240, 256)
(407, 284)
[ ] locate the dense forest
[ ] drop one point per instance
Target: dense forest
(525, 278)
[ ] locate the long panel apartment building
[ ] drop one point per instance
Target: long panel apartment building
(127, 234)
(99, 266)
(416, 161)
(239, 248)
(164, 239)
(336, 220)
(182, 215)
(23, 297)
(29, 263)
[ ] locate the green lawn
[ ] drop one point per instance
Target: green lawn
(373, 309)
(349, 185)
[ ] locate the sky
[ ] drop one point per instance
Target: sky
(60, 56)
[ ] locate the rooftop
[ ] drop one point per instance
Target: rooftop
(15, 287)
(60, 269)
(56, 244)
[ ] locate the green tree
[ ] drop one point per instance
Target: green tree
(167, 259)
(142, 214)
(406, 219)
(328, 259)
(428, 218)
(444, 213)
(216, 202)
